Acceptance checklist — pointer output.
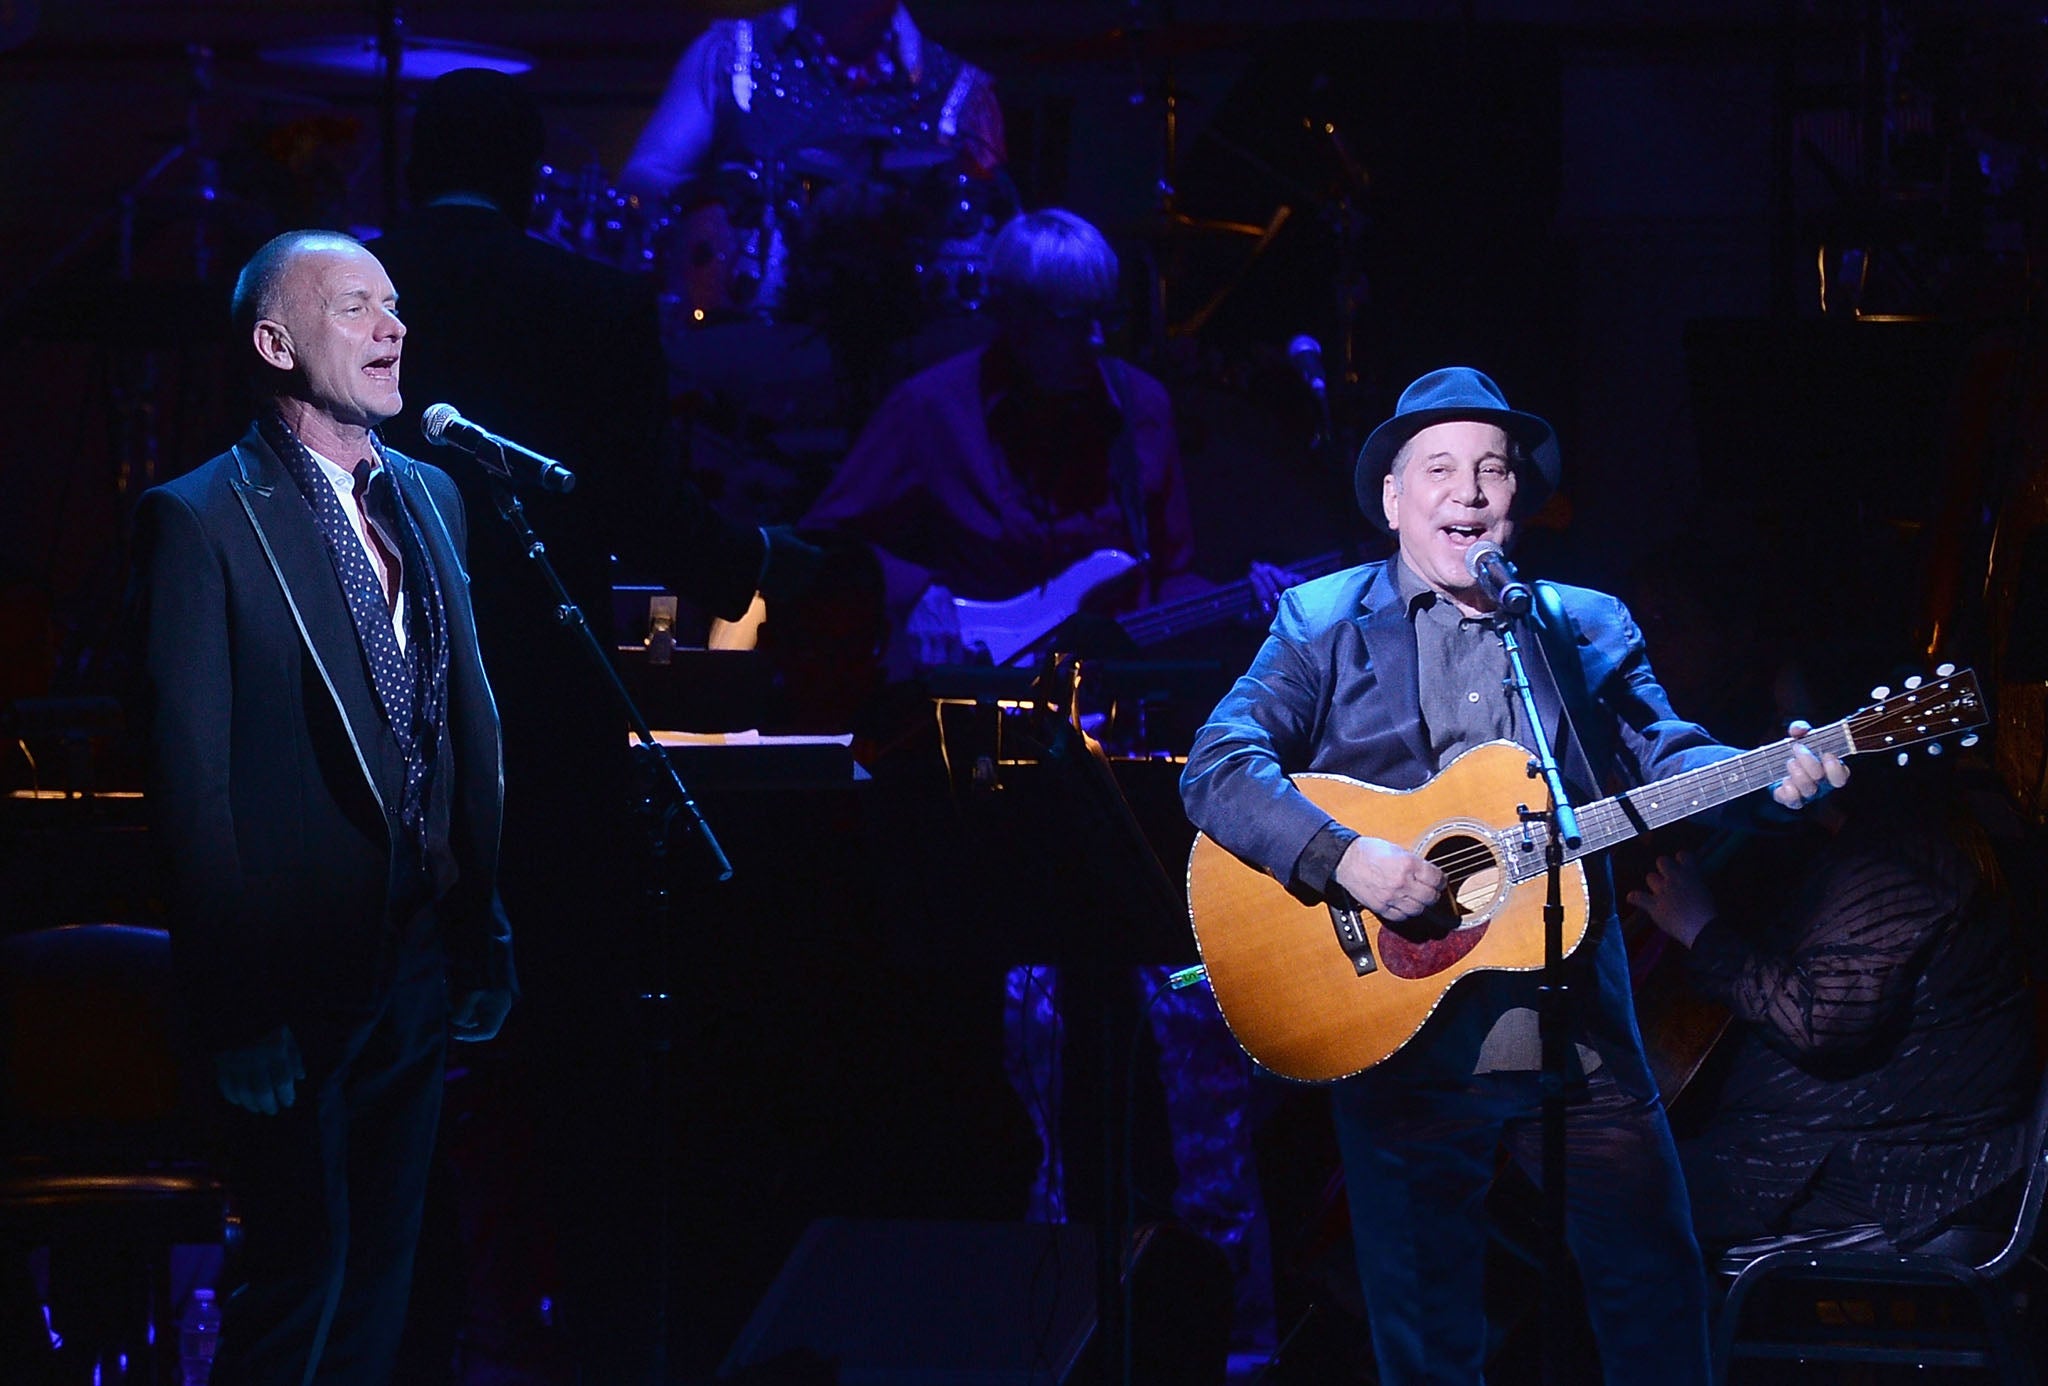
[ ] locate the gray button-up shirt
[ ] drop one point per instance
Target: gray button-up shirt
(1461, 678)
(1461, 672)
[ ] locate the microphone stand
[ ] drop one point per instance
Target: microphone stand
(1560, 832)
(665, 809)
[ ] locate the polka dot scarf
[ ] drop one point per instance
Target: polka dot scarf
(411, 684)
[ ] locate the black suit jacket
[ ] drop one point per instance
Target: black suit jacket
(273, 776)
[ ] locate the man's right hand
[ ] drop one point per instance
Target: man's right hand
(259, 1077)
(1391, 881)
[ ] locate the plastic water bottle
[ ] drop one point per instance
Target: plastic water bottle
(198, 1333)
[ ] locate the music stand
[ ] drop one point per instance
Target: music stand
(1041, 842)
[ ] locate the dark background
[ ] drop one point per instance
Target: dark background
(1766, 265)
(1554, 192)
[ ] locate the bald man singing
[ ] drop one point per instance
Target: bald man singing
(325, 789)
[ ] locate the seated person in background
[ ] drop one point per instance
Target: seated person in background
(989, 473)
(1885, 1064)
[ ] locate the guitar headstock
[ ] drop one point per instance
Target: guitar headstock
(1922, 711)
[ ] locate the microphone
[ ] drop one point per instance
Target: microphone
(1497, 577)
(1307, 355)
(444, 426)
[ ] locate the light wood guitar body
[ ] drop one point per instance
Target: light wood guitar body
(1318, 992)
(1290, 985)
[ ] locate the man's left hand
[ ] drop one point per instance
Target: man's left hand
(1268, 582)
(479, 1013)
(1807, 776)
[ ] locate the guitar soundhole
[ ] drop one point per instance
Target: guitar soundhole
(1472, 873)
(1438, 939)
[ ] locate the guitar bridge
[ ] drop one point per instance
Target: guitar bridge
(1350, 925)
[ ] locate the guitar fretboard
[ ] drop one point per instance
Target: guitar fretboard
(1949, 704)
(1231, 602)
(1608, 822)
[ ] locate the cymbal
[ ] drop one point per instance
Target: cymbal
(419, 59)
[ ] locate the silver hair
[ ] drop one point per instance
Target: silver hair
(1052, 261)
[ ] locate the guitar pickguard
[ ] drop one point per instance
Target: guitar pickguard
(1413, 958)
(1475, 884)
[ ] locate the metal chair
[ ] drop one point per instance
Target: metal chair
(100, 1159)
(1980, 1261)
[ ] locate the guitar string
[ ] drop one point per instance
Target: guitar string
(1313, 567)
(1727, 779)
(1159, 621)
(1602, 814)
(1152, 628)
(1200, 604)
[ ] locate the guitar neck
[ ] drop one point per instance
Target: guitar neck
(1233, 601)
(1608, 822)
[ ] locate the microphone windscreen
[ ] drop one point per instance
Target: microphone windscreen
(434, 423)
(1477, 555)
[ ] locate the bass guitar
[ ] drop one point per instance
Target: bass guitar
(1319, 992)
(1011, 629)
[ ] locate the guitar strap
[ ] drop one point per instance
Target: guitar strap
(1126, 477)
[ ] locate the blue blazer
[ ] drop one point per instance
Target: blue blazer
(273, 776)
(1334, 690)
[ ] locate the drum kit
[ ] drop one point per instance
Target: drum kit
(782, 240)
(744, 242)
(731, 244)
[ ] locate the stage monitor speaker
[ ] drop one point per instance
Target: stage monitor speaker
(907, 1303)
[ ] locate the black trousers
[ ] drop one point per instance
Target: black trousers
(1417, 1163)
(330, 1191)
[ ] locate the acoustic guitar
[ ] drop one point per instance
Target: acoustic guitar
(1319, 992)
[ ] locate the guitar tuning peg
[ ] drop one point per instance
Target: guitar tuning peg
(1905, 756)
(1944, 670)
(1880, 693)
(1968, 741)
(1913, 683)
(1934, 748)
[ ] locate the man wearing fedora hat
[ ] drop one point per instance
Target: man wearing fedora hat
(1385, 673)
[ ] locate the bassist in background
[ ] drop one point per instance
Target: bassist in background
(987, 474)
(1386, 673)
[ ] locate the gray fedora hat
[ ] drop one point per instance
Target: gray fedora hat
(1457, 392)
